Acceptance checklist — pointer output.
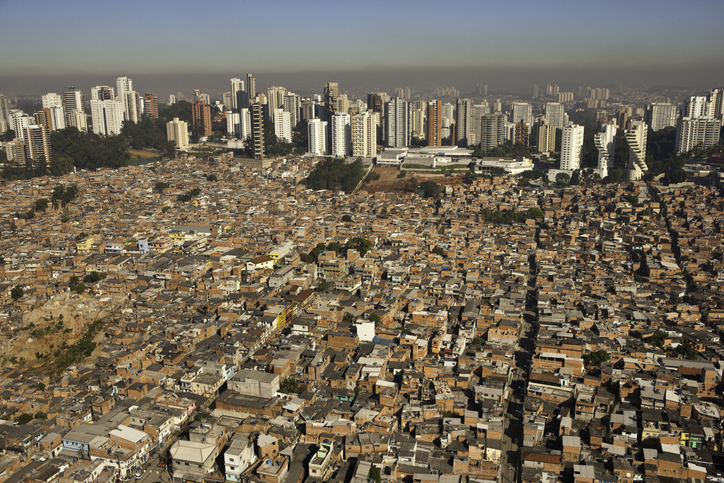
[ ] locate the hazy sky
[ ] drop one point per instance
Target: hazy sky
(65, 38)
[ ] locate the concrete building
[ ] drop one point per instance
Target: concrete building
(492, 131)
(123, 86)
(73, 101)
(257, 129)
(546, 136)
(201, 114)
(282, 125)
(255, 383)
(571, 147)
(397, 123)
(695, 107)
(250, 89)
(463, 121)
(340, 142)
(703, 132)
(605, 142)
(434, 123)
(364, 135)
(636, 138)
(37, 143)
(275, 98)
(150, 105)
(317, 137)
(660, 115)
(292, 105)
(20, 121)
(237, 85)
(107, 117)
(522, 111)
(178, 132)
(134, 106)
(554, 112)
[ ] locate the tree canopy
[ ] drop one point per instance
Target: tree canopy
(335, 174)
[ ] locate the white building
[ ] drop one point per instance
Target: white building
(696, 107)
(546, 136)
(52, 99)
(107, 117)
(317, 137)
(282, 125)
(134, 106)
(19, 122)
(236, 86)
(123, 86)
(364, 135)
(660, 115)
(605, 142)
(37, 143)
(555, 113)
(492, 131)
(636, 138)
(77, 119)
(340, 142)
(703, 131)
(292, 105)
(233, 124)
(397, 123)
(178, 132)
(275, 98)
(571, 147)
(244, 123)
(73, 101)
(365, 330)
(523, 111)
(463, 113)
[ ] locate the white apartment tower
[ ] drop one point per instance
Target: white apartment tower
(107, 117)
(364, 135)
(523, 111)
(605, 141)
(555, 113)
(37, 144)
(695, 107)
(236, 86)
(178, 132)
(571, 147)
(317, 131)
(546, 136)
(660, 115)
(397, 123)
(492, 131)
(703, 131)
(123, 86)
(292, 105)
(340, 141)
(73, 108)
(282, 125)
(636, 138)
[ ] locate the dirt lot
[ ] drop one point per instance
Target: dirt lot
(70, 313)
(137, 153)
(389, 180)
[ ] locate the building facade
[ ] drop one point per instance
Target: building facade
(364, 135)
(571, 147)
(605, 141)
(341, 133)
(107, 117)
(317, 137)
(397, 123)
(636, 137)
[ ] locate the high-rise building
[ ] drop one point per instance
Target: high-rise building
(700, 132)
(417, 123)
(171, 99)
(44, 118)
(250, 89)
(605, 141)
(244, 123)
(660, 115)
(317, 136)
(52, 99)
(150, 105)
(201, 114)
(571, 147)
(521, 133)
(257, 129)
(695, 107)
(714, 104)
(492, 131)
(478, 111)
(236, 86)
(535, 91)
(636, 136)
(124, 85)
(37, 143)
(134, 106)
(15, 151)
(4, 113)
(107, 117)
(19, 122)
(434, 123)
(233, 123)
(78, 120)
(463, 124)
(103, 93)
(364, 135)
(340, 134)
(523, 112)
(331, 91)
(178, 132)
(292, 105)
(73, 101)
(275, 98)
(374, 102)
(554, 112)
(481, 90)
(397, 123)
(282, 125)
(546, 136)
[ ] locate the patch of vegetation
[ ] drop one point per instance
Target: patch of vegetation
(189, 195)
(291, 386)
(508, 217)
(68, 355)
(594, 359)
(335, 174)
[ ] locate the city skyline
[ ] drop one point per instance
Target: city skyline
(413, 43)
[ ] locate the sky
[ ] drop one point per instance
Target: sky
(654, 42)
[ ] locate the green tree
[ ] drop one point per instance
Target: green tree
(594, 359)
(375, 474)
(362, 245)
(430, 189)
(438, 251)
(41, 204)
(375, 318)
(17, 292)
(563, 179)
(347, 219)
(160, 186)
(24, 418)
